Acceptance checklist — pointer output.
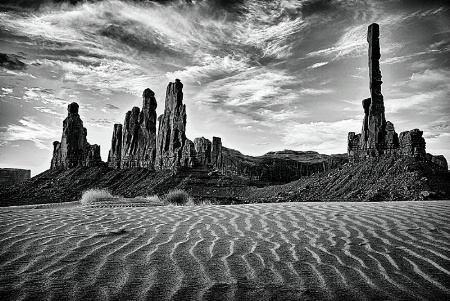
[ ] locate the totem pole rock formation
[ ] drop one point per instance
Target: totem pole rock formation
(74, 150)
(172, 129)
(378, 136)
(134, 143)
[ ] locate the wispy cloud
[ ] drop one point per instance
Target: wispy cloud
(317, 65)
(329, 137)
(422, 91)
(29, 129)
(111, 107)
(311, 91)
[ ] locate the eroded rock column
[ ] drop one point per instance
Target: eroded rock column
(376, 122)
(172, 129)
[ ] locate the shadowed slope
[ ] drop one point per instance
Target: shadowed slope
(376, 179)
(290, 251)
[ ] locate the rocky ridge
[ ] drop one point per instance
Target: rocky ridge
(375, 179)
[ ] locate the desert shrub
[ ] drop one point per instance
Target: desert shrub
(178, 197)
(92, 195)
(200, 202)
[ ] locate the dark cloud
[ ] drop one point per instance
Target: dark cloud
(12, 62)
(312, 7)
(111, 107)
(423, 4)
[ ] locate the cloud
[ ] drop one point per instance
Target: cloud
(100, 123)
(30, 130)
(11, 61)
(424, 91)
(49, 111)
(404, 58)
(111, 106)
(328, 137)
(352, 42)
(317, 65)
(7, 91)
(311, 91)
(44, 96)
(250, 88)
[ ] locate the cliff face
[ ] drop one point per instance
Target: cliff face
(74, 150)
(378, 136)
(134, 143)
(203, 150)
(115, 153)
(172, 129)
(279, 167)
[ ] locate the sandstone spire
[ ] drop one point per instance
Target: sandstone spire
(374, 122)
(74, 150)
(378, 136)
(172, 129)
(134, 143)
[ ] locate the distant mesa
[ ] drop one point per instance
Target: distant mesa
(378, 136)
(12, 176)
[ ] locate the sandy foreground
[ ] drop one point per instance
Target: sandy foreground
(287, 251)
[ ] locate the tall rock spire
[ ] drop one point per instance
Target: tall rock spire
(74, 150)
(134, 143)
(378, 136)
(374, 126)
(147, 120)
(172, 129)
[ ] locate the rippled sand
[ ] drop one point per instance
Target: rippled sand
(290, 251)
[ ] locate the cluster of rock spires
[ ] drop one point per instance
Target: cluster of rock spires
(378, 136)
(137, 143)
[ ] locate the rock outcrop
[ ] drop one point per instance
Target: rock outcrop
(115, 153)
(74, 150)
(412, 144)
(134, 143)
(216, 153)
(203, 150)
(189, 154)
(172, 129)
(378, 136)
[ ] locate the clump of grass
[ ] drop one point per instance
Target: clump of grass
(202, 203)
(92, 195)
(178, 197)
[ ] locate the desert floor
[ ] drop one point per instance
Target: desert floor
(285, 251)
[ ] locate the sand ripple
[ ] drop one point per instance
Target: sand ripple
(290, 251)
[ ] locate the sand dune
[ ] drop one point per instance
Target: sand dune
(290, 251)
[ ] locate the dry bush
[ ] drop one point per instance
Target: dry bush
(92, 195)
(202, 203)
(178, 197)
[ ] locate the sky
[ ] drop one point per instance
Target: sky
(262, 75)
